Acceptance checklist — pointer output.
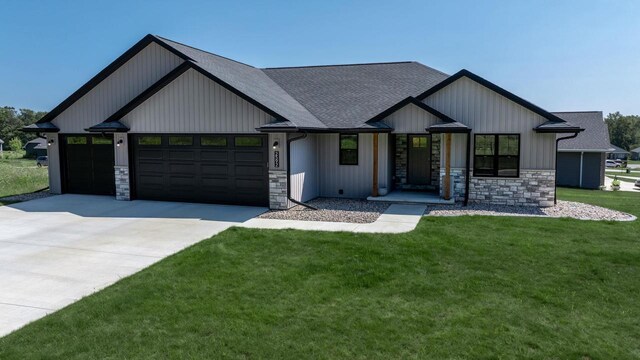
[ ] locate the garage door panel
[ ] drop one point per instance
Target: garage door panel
(182, 155)
(150, 154)
(220, 156)
(216, 171)
(246, 156)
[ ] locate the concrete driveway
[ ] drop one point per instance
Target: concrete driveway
(56, 250)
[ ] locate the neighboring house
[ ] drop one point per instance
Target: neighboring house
(176, 123)
(618, 153)
(581, 160)
(635, 154)
(36, 147)
(1, 144)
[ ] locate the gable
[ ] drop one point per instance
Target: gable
(117, 89)
(486, 111)
(194, 103)
(410, 119)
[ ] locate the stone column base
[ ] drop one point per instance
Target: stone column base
(123, 192)
(278, 190)
(532, 188)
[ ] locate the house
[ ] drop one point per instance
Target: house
(618, 153)
(36, 147)
(581, 160)
(166, 121)
(635, 153)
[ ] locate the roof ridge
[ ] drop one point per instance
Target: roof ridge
(205, 51)
(337, 65)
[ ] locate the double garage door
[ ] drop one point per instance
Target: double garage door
(221, 169)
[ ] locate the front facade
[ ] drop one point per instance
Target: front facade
(36, 147)
(169, 122)
(618, 153)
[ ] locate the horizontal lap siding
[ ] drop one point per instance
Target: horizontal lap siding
(304, 169)
(195, 103)
(355, 180)
(131, 79)
(486, 111)
(410, 119)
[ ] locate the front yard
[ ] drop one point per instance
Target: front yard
(466, 287)
(19, 175)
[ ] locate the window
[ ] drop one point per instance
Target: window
(213, 141)
(77, 140)
(419, 142)
(348, 149)
(249, 141)
(150, 140)
(101, 140)
(497, 155)
(180, 140)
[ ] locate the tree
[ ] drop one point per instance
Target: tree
(624, 130)
(11, 121)
(15, 144)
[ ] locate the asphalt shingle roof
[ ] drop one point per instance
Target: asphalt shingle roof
(595, 135)
(250, 81)
(347, 96)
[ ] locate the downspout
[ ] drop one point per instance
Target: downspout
(555, 180)
(581, 163)
(289, 141)
(468, 170)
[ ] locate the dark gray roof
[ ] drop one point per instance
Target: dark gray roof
(37, 141)
(347, 96)
(618, 150)
(595, 135)
(636, 150)
(448, 127)
(252, 82)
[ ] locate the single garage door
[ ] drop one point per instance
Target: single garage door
(88, 165)
(221, 169)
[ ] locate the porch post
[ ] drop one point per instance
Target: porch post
(374, 191)
(447, 166)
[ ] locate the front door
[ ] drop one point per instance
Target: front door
(419, 160)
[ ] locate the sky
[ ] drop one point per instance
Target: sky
(559, 55)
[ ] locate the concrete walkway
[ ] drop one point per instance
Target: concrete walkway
(624, 186)
(399, 218)
(56, 250)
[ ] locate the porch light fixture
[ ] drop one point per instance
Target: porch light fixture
(275, 145)
(50, 142)
(119, 142)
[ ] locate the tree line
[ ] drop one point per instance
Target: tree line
(624, 130)
(12, 120)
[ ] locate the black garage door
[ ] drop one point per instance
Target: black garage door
(88, 165)
(221, 169)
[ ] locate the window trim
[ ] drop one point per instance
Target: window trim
(496, 156)
(357, 149)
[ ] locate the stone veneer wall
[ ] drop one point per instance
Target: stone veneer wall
(278, 190)
(400, 177)
(457, 182)
(532, 188)
(435, 158)
(123, 190)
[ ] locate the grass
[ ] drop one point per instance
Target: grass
(19, 175)
(467, 287)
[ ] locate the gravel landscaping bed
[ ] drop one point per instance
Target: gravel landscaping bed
(333, 210)
(27, 197)
(567, 209)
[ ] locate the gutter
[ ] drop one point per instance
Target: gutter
(555, 180)
(289, 141)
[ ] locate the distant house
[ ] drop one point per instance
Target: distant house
(635, 153)
(618, 153)
(36, 147)
(1, 143)
(581, 160)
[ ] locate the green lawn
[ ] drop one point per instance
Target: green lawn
(19, 176)
(467, 287)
